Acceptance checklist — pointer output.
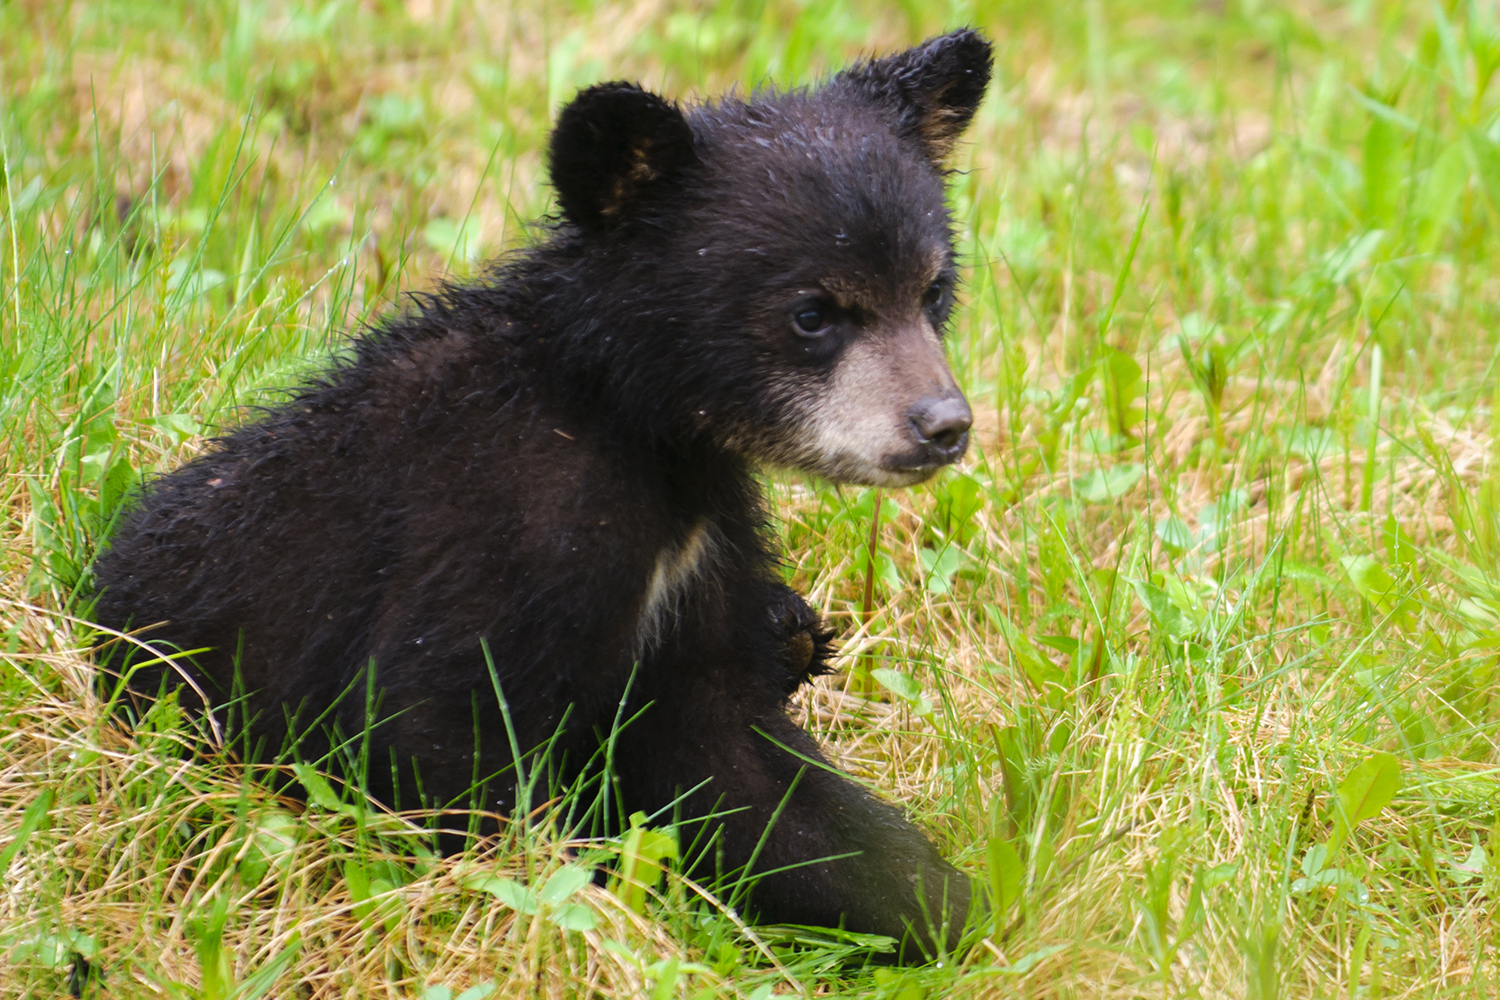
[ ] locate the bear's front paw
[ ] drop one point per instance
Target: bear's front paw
(807, 644)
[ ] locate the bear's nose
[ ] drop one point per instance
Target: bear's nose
(942, 423)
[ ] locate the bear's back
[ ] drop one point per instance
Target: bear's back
(428, 495)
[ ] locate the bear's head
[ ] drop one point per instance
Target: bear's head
(779, 271)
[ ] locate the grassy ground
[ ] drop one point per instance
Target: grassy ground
(1195, 661)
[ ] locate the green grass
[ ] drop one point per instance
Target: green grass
(1195, 661)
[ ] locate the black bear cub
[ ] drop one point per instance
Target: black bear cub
(529, 505)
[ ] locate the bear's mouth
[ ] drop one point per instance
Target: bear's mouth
(921, 465)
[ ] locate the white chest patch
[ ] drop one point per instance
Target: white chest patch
(677, 568)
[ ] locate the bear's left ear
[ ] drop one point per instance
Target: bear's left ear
(934, 89)
(613, 145)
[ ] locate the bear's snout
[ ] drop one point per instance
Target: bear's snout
(942, 425)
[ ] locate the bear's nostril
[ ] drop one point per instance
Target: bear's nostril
(943, 422)
(948, 437)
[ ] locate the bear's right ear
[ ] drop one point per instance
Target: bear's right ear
(612, 146)
(933, 89)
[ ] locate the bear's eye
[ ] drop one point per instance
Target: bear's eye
(812, 320)
(933, 295)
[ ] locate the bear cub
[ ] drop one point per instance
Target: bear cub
(524, 515)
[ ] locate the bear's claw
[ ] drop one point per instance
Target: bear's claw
(807, 643)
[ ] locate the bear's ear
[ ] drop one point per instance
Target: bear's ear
(614, 144)
(934, 88)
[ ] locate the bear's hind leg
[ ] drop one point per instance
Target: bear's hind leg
(819, 849)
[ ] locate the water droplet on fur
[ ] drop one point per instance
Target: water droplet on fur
(703, 252)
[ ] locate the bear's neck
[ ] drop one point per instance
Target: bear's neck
(598, 366)
(705, 482)
(606, 369)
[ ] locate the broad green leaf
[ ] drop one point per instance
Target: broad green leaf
(1341, 263)
(1062, 643)
(1323, 878)
(1031, 960)
(1167, 616)
(863, 508)
(272, 837)
(1104, 485)
(1220, 874)
(1471, 867)
(456, 241)
(32, 820)
(1123, 385)
(1373, 583)
(1174, 533)
(357, 878)
(1215, 519)
(887, 573)
(573, 917)
(941, 566)
(190, 283)
(1006, 870)
(1123, 373)
(665, 973)
(119, 478)
(1399, 546)
(903, 686)
(1040, 670)
(386, 904)
(961, 497)
(1444, 183)
(319, 792)
(1311, 443)
(1262, 962)
(52, 951)
(507, 890)
(178, 427)
(327, 213)
(564, 883)
(1382, 170)
(1368, 789)
(641, 855)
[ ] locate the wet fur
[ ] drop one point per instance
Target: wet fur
(525, 461)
